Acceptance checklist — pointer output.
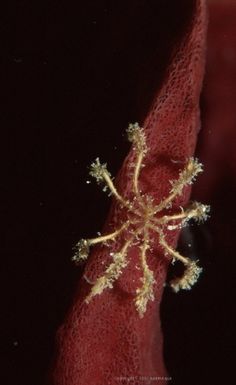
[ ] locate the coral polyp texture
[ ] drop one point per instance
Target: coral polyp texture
(144, 222)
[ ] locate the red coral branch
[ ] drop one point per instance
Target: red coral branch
(105, 342)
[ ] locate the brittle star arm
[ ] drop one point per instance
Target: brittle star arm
(196, 210)
(108, 237)
(145, 292)
(137, 137)
(191, 273)
(101, 174)
(82, 247)
(112, 273)
(174, 253)
(137, 172)
(112, 188)
(186, 177)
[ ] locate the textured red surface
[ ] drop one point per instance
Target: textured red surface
(217, 147)
(105, 342)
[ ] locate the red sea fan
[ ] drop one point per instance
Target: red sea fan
(104, 341)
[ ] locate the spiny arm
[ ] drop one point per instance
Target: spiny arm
(186, 177)
(137, 137)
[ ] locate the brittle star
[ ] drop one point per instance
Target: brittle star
(144, 220)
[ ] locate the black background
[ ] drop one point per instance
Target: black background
(72, 77)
